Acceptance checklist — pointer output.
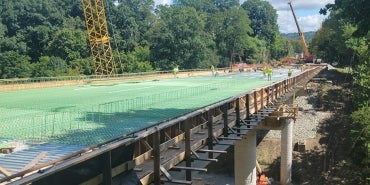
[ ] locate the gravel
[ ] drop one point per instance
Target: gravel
(308, 119)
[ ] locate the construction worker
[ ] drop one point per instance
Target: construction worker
(175, 71)
(213, 70)
(269, 73)
(264, 70)
(289, 72)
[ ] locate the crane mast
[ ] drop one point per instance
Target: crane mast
(300, 33)
(97, 31)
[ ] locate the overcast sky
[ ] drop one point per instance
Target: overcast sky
(307, 12)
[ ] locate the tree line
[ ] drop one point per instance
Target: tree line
(344, 40)
(48, 38)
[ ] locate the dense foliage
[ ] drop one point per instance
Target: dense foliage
(344, 39)
(295, 36)
(48, 38)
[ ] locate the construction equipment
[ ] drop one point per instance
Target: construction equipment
(97, 30)
(307, 57)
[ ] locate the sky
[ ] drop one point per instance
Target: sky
(307, 12)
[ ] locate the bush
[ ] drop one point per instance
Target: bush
(361, 141)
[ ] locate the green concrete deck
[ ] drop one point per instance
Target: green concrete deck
(91, 114)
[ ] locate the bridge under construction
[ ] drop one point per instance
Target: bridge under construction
(136, 132)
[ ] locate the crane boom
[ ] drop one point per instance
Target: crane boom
(300, 33)
(97, 30)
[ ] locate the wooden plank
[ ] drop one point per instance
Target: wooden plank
(5, 172)
(166, 174)
(213, 151)
(189, 168)
(206, 159)
(35, 160)
(230, 138)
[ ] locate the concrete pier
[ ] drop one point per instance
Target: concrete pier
(286, 152)
(245, 159)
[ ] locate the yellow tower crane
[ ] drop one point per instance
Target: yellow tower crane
(97, 30)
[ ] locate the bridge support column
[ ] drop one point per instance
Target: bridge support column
(286, 152)
(245, 159)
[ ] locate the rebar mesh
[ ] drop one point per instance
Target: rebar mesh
(91, 114)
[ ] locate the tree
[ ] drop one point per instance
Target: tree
(329, 43)
(49, 67)
(280, 48)
(224, 5)
(200, 5)
(263, 19)
(3, 29)
(178, 38)
(232, 32)
(130, 21)
(135, 61)
(356, 34)
(14, 65)
(68, 44)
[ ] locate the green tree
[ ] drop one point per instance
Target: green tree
(49, 67)
(82, 66)
(329, 43)
(263, 19)
(232, 33)
(135, 61)
(130, 21)
(3, 29)
(224, 5)
(199, 5)
(68, 44)
(280, 48)
(14, 65)
(178, 38)
(355, 31)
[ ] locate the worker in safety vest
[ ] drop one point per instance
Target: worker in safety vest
(269, 74)
(289, 72)
(175, 71)
(264, 70)
(213, 70)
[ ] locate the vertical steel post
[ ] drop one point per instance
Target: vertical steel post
(156, 158)
(107, 168)
(237, 112)
(225, 117)
(255, 102)
(210, 134)
(187, 149)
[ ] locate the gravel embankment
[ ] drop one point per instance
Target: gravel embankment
(308, 119)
